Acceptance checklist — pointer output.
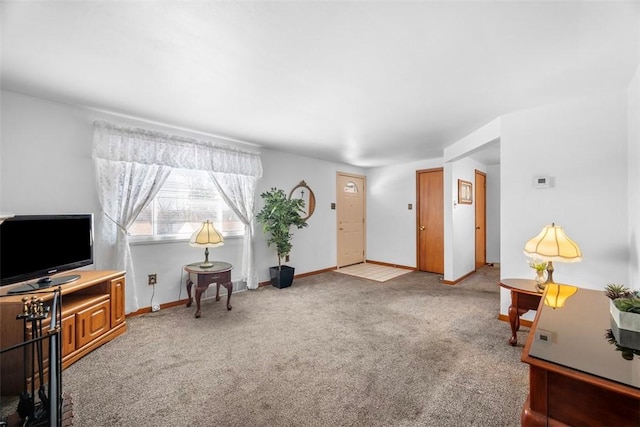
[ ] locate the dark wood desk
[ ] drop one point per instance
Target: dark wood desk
(525, 296)
(220, 273)
(577, 377)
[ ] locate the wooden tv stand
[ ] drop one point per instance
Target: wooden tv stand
(92, 314)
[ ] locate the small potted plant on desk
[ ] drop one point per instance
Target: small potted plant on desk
(277, 216)
(624, 306)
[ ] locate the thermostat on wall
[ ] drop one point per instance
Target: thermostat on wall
(542, 182)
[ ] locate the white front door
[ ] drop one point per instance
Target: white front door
(351, 219)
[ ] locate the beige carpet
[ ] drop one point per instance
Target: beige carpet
(379, 273)
(331, 350)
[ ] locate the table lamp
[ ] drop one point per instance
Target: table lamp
(206, 237)
(552, 245)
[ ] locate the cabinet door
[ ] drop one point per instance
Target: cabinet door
(68, 334)
(92, 322)
(117, 301)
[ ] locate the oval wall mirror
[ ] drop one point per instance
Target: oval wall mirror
(302, 191)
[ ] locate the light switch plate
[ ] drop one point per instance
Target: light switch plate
(542, 182)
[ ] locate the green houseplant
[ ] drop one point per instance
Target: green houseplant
(624, 305)
(277, 216)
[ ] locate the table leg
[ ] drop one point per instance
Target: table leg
(514, 319)
(189, 284)
(229, 286)
(513, 322)
(199, 291)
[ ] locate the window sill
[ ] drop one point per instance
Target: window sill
(156, 240)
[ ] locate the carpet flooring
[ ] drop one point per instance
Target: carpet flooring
(332, 350)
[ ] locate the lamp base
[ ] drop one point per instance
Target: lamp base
(206, 263)
(550, 270)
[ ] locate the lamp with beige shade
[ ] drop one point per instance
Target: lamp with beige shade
(552, 244)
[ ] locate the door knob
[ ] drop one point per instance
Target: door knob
(477, 228)
(422, 228)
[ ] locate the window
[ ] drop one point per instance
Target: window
(350, 187)
(186, 199)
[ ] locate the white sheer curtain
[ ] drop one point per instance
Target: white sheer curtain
(131, 166)
(239, 193)
(124, 189)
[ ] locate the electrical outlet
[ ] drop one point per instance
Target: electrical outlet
(155, 307)
(153, 279)
(546, 337)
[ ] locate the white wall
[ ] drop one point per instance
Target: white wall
(391, 226)
(460, 234)
(315, 246)
(168, 259)
(633, 115)
(46, 167)
(46, 157)
(459, 220)
(493, 213)
(582, 145)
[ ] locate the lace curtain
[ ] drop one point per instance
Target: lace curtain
(124, 189)
(238, 191)
(131, 166)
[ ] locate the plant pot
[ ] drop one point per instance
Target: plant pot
(282, 278)
(625, 338)
(623, 319)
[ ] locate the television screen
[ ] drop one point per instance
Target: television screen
(37, 246)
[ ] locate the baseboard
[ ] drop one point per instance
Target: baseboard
(300, 276)
(387, 264)
(523, 322)
(145, 310)
(458, 280)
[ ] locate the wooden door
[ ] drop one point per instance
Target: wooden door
(351, 219)
(430, 220)
(481, 219)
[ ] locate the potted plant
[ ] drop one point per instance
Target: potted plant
(277, 216)
(624, 305)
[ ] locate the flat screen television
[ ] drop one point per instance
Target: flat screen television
(39, 246)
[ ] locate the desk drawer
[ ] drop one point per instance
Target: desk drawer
(207, 279)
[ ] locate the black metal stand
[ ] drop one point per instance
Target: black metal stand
(45, 409)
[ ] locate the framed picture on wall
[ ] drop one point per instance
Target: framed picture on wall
(465, 194)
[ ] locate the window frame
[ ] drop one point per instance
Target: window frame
(176, 238)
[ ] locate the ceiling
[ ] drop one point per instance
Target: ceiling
(363, 83)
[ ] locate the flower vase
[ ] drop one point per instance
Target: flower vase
(540, 279)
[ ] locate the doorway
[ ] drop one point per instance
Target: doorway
(481, 219)
(350, 214)
(430, 220)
